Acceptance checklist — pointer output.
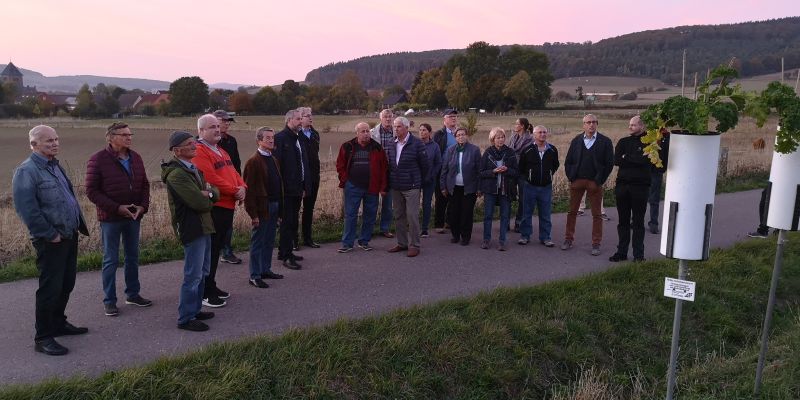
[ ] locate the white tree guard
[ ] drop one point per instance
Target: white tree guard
(691, 183)
(784, 179)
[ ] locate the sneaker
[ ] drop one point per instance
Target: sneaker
(523, 241)
(581, 213)
(595, 249)
(566, 245)
(758, 234)
(138, 301)
(258, 283)
(605, 217)
(111, 310)
(424, 234)
(231, 259)
(203, 315)
(617, 257)
(214, 302)
(485, 245)
(194, 326)
(345, 249)
(547, 243)
(365, 246)
(222, 294)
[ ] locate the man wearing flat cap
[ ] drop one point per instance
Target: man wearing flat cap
(228, 143)
(445, 138)
(190, 202)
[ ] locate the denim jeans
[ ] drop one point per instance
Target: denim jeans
(386, 212)
(353, 198)
(196, 266)
(427, 198)
(111, 232)
(541, 197)
(262, 242)
(489, 202)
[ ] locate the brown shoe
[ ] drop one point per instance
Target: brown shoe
(387, 234)
(413, 251)
(397, 249)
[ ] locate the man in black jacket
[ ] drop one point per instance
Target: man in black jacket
(293, 157)
(589, 161)
(310, 139)
(445, 138)
(631, 191)
(537, 164)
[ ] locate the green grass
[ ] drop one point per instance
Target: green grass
(508, 344)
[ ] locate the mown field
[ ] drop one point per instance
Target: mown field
(79, 139)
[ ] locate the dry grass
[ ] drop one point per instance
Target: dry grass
(79, 139)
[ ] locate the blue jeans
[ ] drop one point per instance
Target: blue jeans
(111, 232)
(489, 201)
(427, 198)
(386, 212)
(196, 266)
(353, 197)
(541, 197)
(262, 242)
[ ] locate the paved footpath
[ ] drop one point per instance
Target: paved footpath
(330, 286)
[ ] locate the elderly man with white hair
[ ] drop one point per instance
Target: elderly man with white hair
(46, 203)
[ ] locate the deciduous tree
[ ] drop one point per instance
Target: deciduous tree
(457, 91)
(520, 89)
(188, 95)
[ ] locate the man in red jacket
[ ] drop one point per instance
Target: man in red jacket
(117, 184)
(218, 170)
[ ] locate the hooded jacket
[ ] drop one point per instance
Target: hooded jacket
(189, 208)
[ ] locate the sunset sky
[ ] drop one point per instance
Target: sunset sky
(267, 42)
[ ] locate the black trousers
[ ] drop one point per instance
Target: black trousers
(57, 265)
(461, 208)
(762, 213)
(440, 208)
(223, 222)
(289, 222)
(308, 212)
(631, 206)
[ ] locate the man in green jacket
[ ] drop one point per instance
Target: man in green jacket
(190, 202)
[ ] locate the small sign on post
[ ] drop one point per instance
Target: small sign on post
(679, 289)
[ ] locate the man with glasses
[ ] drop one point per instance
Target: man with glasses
(310, 138)
(228, 143)
(117, 184)
(588, 164)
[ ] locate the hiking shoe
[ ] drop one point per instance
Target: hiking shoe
(758, 234)
(258, 283)
(231, 259)
(194, 326)
(345, 249)
(595, 249)
(605, 217)
(566, 245)
(617, 257)
(523, 241)
(111, 310)
(365, 246)
(214, 302)
(485, 245)
(138, 301)
(424, 234)
(222, 294)
(547, 243)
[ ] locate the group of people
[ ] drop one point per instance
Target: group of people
(385, 168)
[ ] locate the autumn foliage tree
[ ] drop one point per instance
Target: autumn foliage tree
(240, 102)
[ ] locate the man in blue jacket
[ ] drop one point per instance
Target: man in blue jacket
(46, 203)
(408, 168)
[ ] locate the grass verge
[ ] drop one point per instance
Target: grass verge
(601, 336)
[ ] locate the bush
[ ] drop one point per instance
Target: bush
(562, 95)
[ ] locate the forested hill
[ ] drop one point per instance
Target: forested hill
(757, 46)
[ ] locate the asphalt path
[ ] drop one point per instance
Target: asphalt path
(330, 287)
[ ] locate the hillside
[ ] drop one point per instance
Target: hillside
(758, 47)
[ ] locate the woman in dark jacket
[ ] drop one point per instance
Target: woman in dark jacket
(498, 185)
(459, 182)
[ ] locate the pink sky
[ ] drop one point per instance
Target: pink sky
(267, 42)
